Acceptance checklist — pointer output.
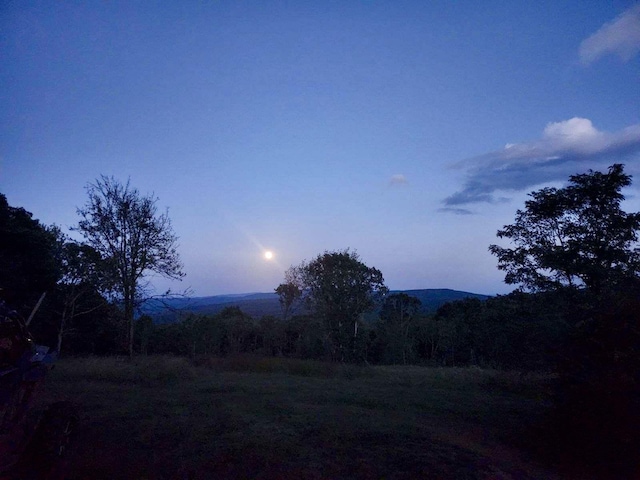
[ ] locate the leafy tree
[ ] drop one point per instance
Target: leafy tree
(522, 331)
(28, 264)
(578, 236)
(83, 279)
(144, 331)
(271, 333)
(339, 288)
(398, 314)
(304, 337)
(228, 332)
(434, 335)
(462, 321)
(126, 229)
(241, 330)
(289, 293)
(100, 331)
(174, 338)
(574, 236)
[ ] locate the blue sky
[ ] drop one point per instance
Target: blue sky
(409, 131)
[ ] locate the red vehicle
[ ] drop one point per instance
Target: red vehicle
(30, 439)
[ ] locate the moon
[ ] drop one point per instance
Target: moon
(268, 255)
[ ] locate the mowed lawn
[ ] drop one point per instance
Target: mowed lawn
(266, 418)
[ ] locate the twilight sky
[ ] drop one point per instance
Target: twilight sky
(409, 131)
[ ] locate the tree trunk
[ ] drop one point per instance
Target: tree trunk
(59, 344)
(63, 321)
(128, 314)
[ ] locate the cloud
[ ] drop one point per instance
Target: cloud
(621, 37)
(456, 211)
(565, 148)
(398, 179)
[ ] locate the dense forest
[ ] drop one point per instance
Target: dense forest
(572, 255)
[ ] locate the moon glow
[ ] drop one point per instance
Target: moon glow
(268, 255)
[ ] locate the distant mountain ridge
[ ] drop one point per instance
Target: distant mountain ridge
(260, 304)
(434, 298)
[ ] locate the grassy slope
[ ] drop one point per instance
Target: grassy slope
(163, 418)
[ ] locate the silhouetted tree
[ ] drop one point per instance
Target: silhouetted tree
(242, 332)
(144, 331)
(98, 332)
(305, 337)
(271, 332)
(573, 236)
(83, 279)
(339, 288)
(434, 337)
(398, 313)
(126, 229)
(289, 293)
(28, 264)
(579, 237)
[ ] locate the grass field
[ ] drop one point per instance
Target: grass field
(265, 418)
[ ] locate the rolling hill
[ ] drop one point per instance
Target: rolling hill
(259, 304)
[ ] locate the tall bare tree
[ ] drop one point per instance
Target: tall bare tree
(127, 230)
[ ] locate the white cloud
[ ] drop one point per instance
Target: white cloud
(574, 134)
(398, 179)
(621, 37)
(565, 148)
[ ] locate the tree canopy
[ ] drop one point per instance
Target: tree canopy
(28, 265)
(398, 313)
(84, 281)
(339, 288)
(288, 292)
(574, 236)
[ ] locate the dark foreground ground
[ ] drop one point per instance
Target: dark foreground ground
(166, 418)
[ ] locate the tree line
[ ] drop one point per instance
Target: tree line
(515, 331)
(571, 249)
